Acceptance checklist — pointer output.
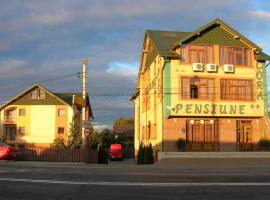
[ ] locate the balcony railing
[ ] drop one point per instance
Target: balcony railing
(10, 120)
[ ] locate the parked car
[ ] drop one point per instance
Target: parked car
(7, 152)
(116, 152)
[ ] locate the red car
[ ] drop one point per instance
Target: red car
(116, 151)
(7, 152)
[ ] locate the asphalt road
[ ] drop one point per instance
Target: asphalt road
(185, 179)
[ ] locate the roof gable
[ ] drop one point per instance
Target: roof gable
(215, 23)
(24, 98)
(217, 35)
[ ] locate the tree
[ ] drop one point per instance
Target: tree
(108, 137)
(95, 140)
(74, 140)
(123, 122)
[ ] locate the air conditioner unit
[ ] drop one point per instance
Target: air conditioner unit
(211, 67)
(228, 68)
(197, 67)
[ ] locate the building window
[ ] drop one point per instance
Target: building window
(196, 133)
(61, 130)
(208, 134)
(21, 112)
(235, 56)
(34, 94)
(198, 88)
(41, 94)
(61, 112)
(22, 130)
(196, 54)
(236, 89)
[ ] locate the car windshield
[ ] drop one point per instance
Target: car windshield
(3, 144)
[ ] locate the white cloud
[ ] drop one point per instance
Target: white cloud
(100, 127)
(261, 15)
(123, 68)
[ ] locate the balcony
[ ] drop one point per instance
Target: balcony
(10, 120)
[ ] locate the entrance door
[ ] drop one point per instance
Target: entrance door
(11, 133)
(245, 136)
(202, 136)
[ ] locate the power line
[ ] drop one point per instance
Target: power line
(40, 81)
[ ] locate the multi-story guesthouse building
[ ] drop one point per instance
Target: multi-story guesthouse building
(37, 116)
(206, 87)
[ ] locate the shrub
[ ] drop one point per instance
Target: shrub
(181, 144)
(150, 156)
(59, 143)
(264, 144)
(145, 154)
(102, 154)
(140, 155)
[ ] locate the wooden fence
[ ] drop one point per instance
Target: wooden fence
(58, 155)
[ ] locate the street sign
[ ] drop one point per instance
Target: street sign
(86, 132)
(86, 123)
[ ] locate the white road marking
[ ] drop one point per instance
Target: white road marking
(151, 184)
(184, 174)
(20, 170)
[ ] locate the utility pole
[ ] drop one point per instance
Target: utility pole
(85, 133)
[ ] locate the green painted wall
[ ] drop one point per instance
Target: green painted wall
(167, 88)
(265, 93)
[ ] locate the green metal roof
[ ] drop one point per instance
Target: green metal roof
(162, 42)
(165, 42)
(210, 25)
(67, 97)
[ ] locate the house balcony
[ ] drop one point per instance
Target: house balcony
(10, 120)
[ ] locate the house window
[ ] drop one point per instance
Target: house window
(61, 130)
(198, 88)
(236, 89)
(61, 112)
(196, 54)
(22, 130)
(34, 94)
(11, 133)
(21, 112)
(41, 94)
(235, 56)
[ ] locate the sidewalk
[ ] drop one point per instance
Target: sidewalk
(168, 163)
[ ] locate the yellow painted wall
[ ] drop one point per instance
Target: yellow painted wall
(154, 113)
(40, 122)
(42, 128)
(247, 108)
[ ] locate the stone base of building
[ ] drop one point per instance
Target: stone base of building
(215, 134)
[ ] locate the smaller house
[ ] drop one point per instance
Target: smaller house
(127, 132)
(37, 116)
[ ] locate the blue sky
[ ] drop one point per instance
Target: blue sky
(42, 40)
